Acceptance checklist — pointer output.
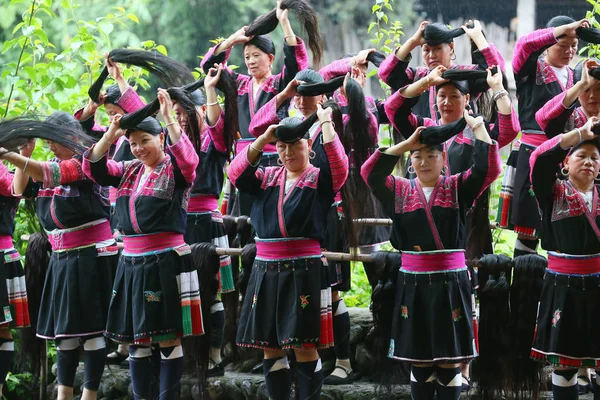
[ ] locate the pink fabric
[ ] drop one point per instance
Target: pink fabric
(551, 110)
(287, 248)
(112, 195)
(239, 164)
(529, 44)
(6, 181)
(367, 168)
(80, 237)
(140, 244)
(338, 162)
(186, 156)
(203, 203)
(433, 261)
(6, 242)
(494, 166)
(97, 127)
(264, 117)
(394, 103)
(217, 135)
(533, 139)
(130, 101)
(493, 57)
(508, 127)
(388, 65)
(336, 68)
(543, 147)
(114, 168)
(241, 144)
(580, 265)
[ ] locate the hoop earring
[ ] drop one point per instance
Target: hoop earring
(597, 178)
(280, 162)
(312, 154)
(410, 169)
(444, 170)
(564, 171)
(453, 56)
(468, 107)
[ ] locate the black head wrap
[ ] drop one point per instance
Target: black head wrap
(437, 135)
(263, 42)
(113, 94)
(316, 89)
(462, 86)
(149, 125)
(559, 20)
(198, 97)
(292, 129)
(309, 76)
(438, 33)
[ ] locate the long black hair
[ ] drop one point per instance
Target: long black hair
(267, 23)
(438, 33)
(315, 89)
(169, 71)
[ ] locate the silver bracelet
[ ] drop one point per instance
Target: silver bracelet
(579, 133)
(171, 123)
(212, 104)
(285, 37)
(27, 161)
(500, 94)
(255, 149)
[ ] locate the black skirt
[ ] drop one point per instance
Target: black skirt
(433, 316)
(155, 298)
(207, 227)
(526, 218)
(13, 295)
(76, 294)
(287, 306)
(569, 319)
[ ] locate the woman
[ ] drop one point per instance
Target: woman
(13, 296)
(436, 52)
(290, 303)
(432, 325)
(541, 68)
(204, 221)
(74, 211)
(155, 294)
(568, 311)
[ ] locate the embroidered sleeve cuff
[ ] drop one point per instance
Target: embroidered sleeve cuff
(186, 156)
(130, 101)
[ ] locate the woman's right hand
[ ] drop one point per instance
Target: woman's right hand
(114, 130)
(435, 76)
(571, 29)
(414, 141)
(291, 89)
(269, 135)
(27, 149)
(586, 130)
(418, 38)
(239, 37)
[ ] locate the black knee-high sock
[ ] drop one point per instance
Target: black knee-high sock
(66, 362)
(278, 377)
(310, 379)
(7, 352)
(171, 370)
(448, 383)
(525, 246)
(596, 385)
(422, 382)
(217, 325)
(564, 384)
(341, 330)
(93, 363)
(140, 368)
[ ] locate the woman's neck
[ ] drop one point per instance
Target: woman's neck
(291, 175)
(446, 120)
(550, 63)
(428, 184)
(150, 168)
(259, 80)
(583, 187)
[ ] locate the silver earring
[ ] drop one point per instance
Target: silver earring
(312, 154)
(279, 162)
(564, 171)
(410, 169)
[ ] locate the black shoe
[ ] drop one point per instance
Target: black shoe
(584, 385)
(115, 358)
(336, 380)
(216, 371)
(466, 386)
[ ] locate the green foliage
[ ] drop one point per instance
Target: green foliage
(591, 50)
(20, 384)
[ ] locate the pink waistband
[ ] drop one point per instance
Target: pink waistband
(274, 249)
(431, 261)
(141, 244)
(241, 144)
(112, 195)
(203, 203)
(6, 242)
(533, 139)
(575, 265)
(72, 239)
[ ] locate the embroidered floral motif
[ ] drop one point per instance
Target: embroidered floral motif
(404, 312)
(153, 297)
(456, 315)
(556, 318)
(254, 299)
(531, 192)
(304, 300)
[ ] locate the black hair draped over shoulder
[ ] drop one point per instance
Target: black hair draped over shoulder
(267, 23)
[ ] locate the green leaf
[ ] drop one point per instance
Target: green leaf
(106, 27)
(31, 72)
(161, 49)
(371, 26)
(372, 73)
(12, 2)
(134, 18)
(42, 35)
(120, 9)
(147, 44)
(375, 7)
(19, 25)
(28, 30)
(379, 14)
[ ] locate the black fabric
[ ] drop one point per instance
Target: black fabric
(279, 382)
(519, 252)
(77, 293)
(241, 202)
(131, 316)
(309, 382)
(565, 392)
(217, 326)
(569, 316)
(93, 362)
(171, 371)
(272, 315)
(432, 321)
(339, 271)
(525, 211)
(8, 271)
(421, 389)
(200, 228)
(6, 360)
(66, 365)
(141, 371)
(444, 377)
(341, 333)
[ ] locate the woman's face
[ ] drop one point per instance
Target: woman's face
(307, 105)
(583, 164)
(428, 163)
(561, 54)
(181, 116)
(60, 151)
(451, 103)
(112, 110)
(590, 99)
(294, 155)
(146, 147)
(437, 55)
(257, 61)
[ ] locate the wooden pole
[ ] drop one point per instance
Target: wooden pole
(236, 252)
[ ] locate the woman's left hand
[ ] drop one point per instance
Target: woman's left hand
(494, 81)
(476, 30)
(213, 76)
(166, 104)
(586, 130)
(282, 15)
(324, 114)
(472, 121)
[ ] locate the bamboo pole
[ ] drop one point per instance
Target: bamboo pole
(331, 256)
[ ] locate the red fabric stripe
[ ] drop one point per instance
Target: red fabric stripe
(6, 242)
(431, 262)
(564, 264)
(140, 244)
(203, 203)
(273, 250)
(81, 237)
(529, 44)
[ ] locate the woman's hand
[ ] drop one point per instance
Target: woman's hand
(361, 57)
(435, 76)
(282, 15)
(113, 68)
(475, 31)
(494, 81)
(213, 76)
(239, 37)
(269, 135)
(414, 141)
(114, 131)
(291, 89)
(586, 130)
(472, 121)
(324, 114)
(571, 29)
(418, 38)
(27, 149)
(166, 105)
